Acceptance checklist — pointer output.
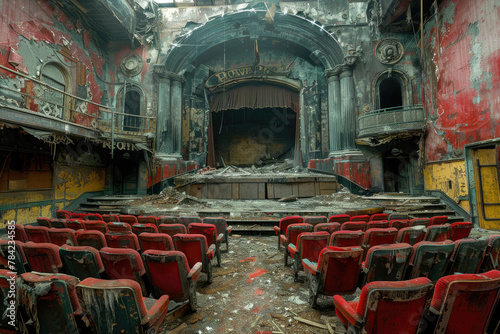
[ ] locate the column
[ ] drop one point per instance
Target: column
(348, 112)
(175, 114)
(334, 120)
(169, 109)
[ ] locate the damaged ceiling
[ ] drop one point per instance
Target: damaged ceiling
(119, 21)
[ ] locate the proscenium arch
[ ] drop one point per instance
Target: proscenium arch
(251, 23)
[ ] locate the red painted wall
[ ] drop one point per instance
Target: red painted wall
(462, 76)
(356, 171)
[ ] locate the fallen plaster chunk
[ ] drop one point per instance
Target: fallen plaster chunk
(296, 300)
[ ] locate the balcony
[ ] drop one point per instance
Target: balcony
(391, 121)
(29, 102)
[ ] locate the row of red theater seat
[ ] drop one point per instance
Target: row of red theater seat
(120, 235)
(462, 303)
(119, 301)
(129, 219)
(86, 261)
(332, 269)
(372, 237)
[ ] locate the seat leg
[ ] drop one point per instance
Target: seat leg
(279, 242)
(313, 290)
(209, 272)
(286, 256)
(217, 248)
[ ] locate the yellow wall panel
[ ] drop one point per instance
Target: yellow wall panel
(450, 178)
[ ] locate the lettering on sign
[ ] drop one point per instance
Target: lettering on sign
(222, 77)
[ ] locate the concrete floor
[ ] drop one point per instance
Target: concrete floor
(237, 303)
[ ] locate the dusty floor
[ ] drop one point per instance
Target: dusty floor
(253, 291)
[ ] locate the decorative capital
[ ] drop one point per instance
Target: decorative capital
(160, 71)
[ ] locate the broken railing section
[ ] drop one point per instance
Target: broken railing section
(42, 98)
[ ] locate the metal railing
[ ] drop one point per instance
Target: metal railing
(391, 120)
(41, 98)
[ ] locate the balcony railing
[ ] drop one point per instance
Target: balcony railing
(392, 120)
(38, 98)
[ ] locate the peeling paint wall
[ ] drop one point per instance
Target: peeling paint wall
(462, 76)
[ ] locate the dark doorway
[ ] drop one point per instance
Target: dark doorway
(132, 107)
(390, 93)
(246, 136)
(125, 173)
(397, 174)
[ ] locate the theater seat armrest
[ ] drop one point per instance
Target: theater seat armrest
(211, 248)
(210, 254)
(292, 249)
(195, 271)
(220, 237)
(311, 266)
(276, 230)
(156, 314)
(347, 311)
(229, 229)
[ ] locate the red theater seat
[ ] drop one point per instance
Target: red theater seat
(339, 219)
(460, 230)
(438, 220)
(38, 234)
(108, 218)
(63, 214)
(309, 245)
(142, 228)
(94, 216)
(336, 272)
(430, 259)
(94, 239)
(172, 229)
(96, 225)
(386, 263)
(438, 232)
(283, 225)
(327, 227)
(385, 307)
(55, 308)
(62, 236)
(346, 238)
(20, 233)
(361, 218)
(156, 241)
(292, 233)
(222, 228)
(148, 220)
(411, 235)
(465, 303)
(467, 256)
(43, 257)
(194, 246)
(353, 226)
(379, 216)
(111, 303)
(129, 219)
(209, 231)
(124, 263)
(171, 275)
(122, 240)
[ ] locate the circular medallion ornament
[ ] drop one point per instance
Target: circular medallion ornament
(131, 65)
(389, 51)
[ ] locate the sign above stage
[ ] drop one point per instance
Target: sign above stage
(223, 77)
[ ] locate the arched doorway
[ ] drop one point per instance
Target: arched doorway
(390, 93)
(291, 47)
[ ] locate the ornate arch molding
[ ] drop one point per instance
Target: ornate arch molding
(390, 73)
(297, 29)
